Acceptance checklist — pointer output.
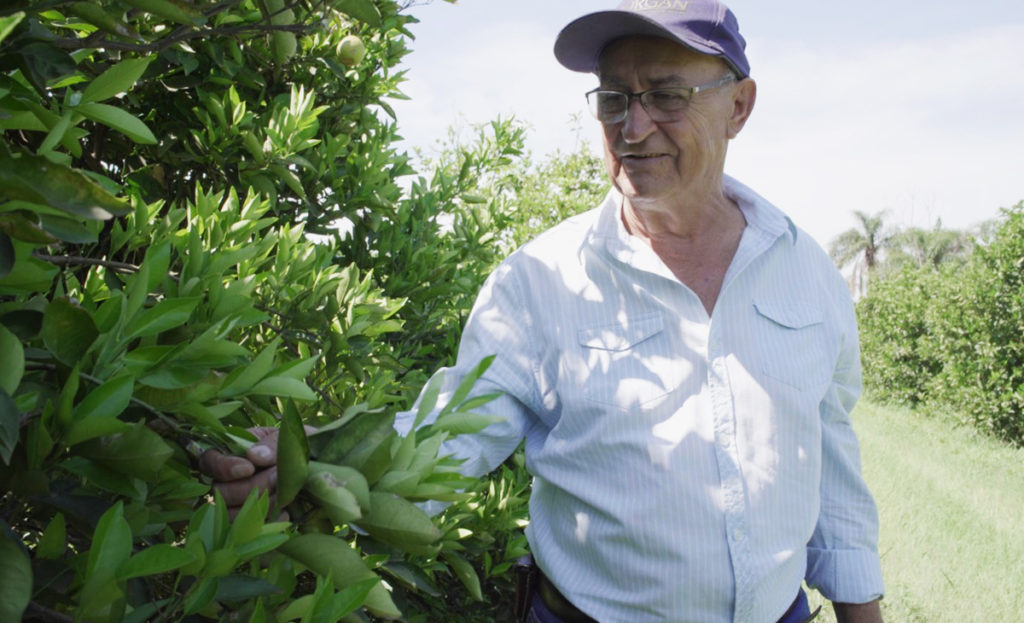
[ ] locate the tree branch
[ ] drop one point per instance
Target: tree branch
(74, 260)
(35, 612)
(184, 33)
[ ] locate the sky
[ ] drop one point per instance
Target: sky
(910, 107)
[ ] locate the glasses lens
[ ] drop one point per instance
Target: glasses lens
(667, 102)
(607, 105)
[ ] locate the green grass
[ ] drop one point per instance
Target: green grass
(951, 505)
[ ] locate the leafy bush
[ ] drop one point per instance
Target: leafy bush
(162, 169)
(979, 333)
(954, 337)
(895, 336)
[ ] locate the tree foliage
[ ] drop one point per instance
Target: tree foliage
(951, 336)
(161, 168)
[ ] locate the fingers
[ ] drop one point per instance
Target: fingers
(264, 452)
(225, 467)
(235, 492)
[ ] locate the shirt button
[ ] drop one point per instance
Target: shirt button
(738, 534)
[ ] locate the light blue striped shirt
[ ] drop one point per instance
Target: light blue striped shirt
(686, 468)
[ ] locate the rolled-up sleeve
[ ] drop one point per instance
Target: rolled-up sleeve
(842, 558)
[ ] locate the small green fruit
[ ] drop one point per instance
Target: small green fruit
(351, 50)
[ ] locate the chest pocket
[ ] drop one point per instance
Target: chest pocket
(793, 344)
(624, 364)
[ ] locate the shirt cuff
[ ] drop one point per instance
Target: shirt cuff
(847, 576)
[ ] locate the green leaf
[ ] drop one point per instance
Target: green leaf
(167, 314)
(111, 542)
(244, 377)
(98, 17)
(174, 10)
(35, 179)
(260, 545)
(463, 423)
(107, 400)
(340, 504)
(15, 580)
(363, 10)
(29, 275)
(84, 430)
(158, 260)
(284, 387)
(54, 541)
(248, 523)
(10, 424)
(19, 227)
(56, 133)
(200, 595)
(428, 399)
(7, 24)
(325, 554)
(115, 80)
(159, 558)
(68, 331)
(117, 119)
(292, 456)
(466, 573)
(399, 522)
(66, 229)
(466, 385)
(139, 452)
(235, 588)
(12, 361)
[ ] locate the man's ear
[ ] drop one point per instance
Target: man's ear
(744, 96)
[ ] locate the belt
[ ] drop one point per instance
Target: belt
(558, 604)
(568, 613)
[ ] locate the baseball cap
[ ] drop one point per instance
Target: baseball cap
(705, 26)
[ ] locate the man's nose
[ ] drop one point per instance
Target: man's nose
(638, 124)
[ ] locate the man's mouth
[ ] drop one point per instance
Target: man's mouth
(640, 156)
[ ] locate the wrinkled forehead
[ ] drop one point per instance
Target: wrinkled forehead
(652, 57)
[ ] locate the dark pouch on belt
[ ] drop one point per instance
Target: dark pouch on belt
(526, 583)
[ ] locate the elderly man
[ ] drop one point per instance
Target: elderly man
(682, 361)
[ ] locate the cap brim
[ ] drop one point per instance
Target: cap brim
(579, 45)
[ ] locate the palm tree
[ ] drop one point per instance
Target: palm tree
(861, 246)
(929, 248)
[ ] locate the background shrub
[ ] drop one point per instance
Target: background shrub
(953, 336)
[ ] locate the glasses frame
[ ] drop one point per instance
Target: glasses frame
(644, 96)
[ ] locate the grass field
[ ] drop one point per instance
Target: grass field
(951, 505)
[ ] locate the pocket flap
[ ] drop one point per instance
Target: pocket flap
(790, 314)
(618, 336)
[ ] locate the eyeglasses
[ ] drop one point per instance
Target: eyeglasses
(662, 105)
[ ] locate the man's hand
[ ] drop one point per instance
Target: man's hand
(870, 612)
(235, 476)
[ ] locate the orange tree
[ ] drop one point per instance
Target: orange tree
(163, 165)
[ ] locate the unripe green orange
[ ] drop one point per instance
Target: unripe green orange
(351, 50)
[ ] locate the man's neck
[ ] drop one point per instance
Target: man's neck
(696, 245)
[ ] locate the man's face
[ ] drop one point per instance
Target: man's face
(655, 164)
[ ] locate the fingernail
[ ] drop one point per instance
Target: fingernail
(241, 471)
(262, 452)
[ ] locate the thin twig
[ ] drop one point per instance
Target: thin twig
(35, 612)
(75, 260)
(178, 36)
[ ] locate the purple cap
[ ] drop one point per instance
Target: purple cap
(704, 26)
